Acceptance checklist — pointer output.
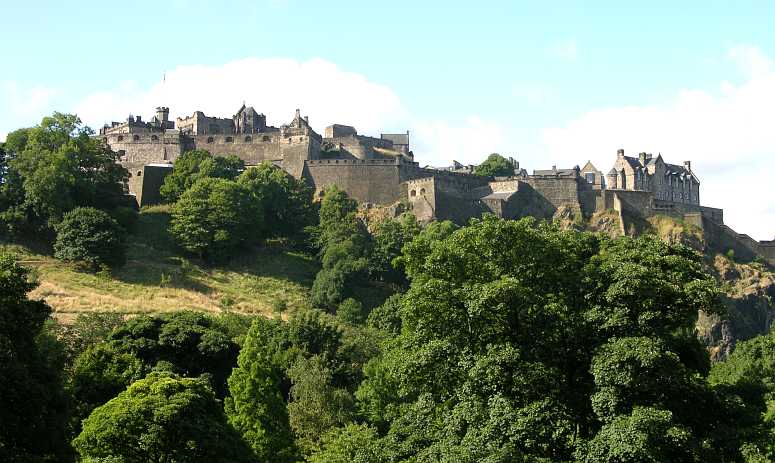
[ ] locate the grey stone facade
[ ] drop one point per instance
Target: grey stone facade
(382, 171)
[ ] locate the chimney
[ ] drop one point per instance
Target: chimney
(620, 153)
(642, 158)
(688, 165)
(298, 114)
(139, 119)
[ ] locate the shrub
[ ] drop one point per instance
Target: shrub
(90, 236)
(350, 311)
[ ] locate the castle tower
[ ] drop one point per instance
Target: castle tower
(163, 114)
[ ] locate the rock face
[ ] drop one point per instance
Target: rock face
(749, 297)
(748, 288)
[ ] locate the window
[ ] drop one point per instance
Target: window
(135, 137)
(209, 139)
(229, 139)
(120, 138)
(139, 173)
(413, 193)
(590, 176)
(248, 139)
(154, 138)
(422, 191)
(265, 138)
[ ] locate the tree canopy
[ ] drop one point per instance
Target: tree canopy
(215, 217)
(162, 417)
(54, 167)
(495, 166)
(194, 165)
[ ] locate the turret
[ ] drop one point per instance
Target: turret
(162, 114)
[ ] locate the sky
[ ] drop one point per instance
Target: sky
(548, 83)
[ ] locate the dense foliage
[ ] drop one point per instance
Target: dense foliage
(90, 236)
(161, 417)
(53, 168)
(194, 165)
(33, 406)
(215, 217)
(502, 340)
(495, 166)
(285, 200)
(344, 246)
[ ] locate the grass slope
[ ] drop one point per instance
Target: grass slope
(156, 278)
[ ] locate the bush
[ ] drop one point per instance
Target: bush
(90, 236)
(350, 311)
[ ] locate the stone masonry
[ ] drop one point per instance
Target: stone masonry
(382, 171)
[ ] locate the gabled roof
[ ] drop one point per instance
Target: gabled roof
(589, 167)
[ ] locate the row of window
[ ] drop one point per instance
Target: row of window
(248, 139)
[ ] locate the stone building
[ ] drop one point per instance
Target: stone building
(667, 182)
(382, 171)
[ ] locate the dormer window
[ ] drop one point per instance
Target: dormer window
(229, 139)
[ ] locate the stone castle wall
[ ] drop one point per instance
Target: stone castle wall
(374, 181)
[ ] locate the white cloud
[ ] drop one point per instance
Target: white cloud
(728, 135)
(439, 142)
(275, 87)
(565, 49)
(21, 102)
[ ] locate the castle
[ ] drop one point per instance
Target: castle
(382, 171)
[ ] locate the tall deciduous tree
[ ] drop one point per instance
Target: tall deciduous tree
(194, 165)
(286, 201)
(214, 217)
(520, 341)
(33, 409)
(256, 407)
(55, 167)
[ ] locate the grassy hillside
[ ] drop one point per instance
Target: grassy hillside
(157, 278)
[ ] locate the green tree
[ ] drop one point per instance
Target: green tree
(91, 237)
(194, 165)
(350, 311)
(286, 201)
(55, 167)
(316, 405)
(522, 342)
(162, 417)
(256, 407)
(646, 435)
(34, 409)
(749, 374)
(100, 373)
(390, 237)
(344, 245)
(214, 217)
(495, 166)
(353, 443)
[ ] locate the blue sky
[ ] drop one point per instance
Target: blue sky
(546, 82)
